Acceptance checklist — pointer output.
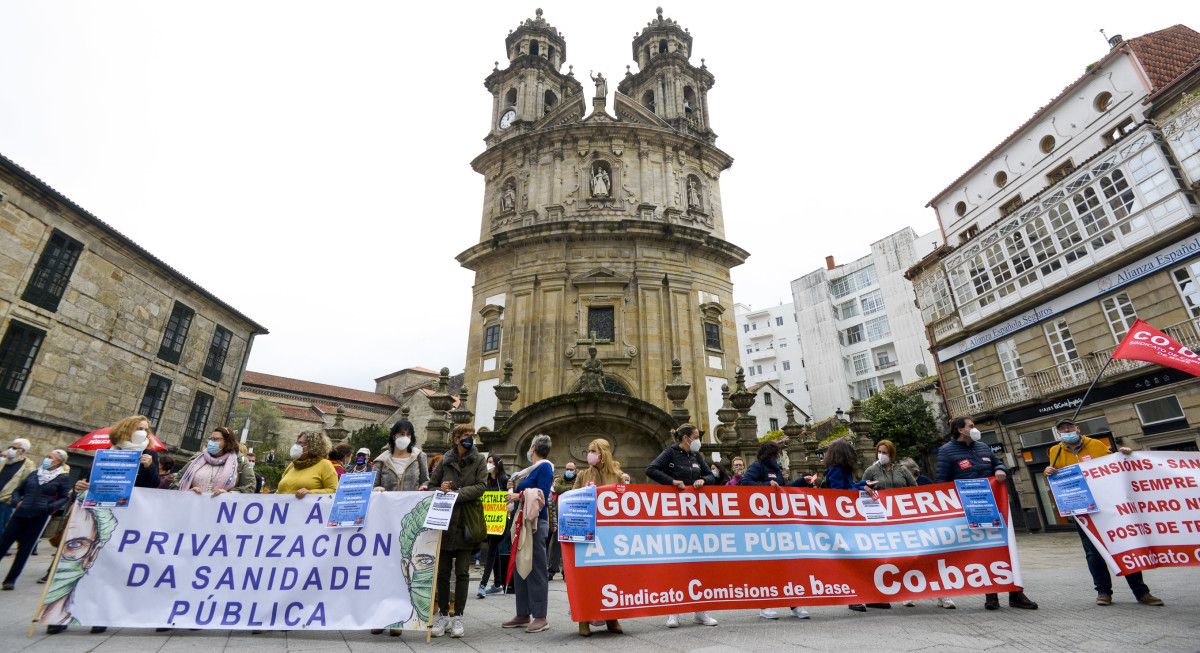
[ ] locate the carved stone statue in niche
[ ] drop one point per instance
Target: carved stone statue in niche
(508, 197)
(593, 374)
(601, 182)
(601, 84)
(693, 193)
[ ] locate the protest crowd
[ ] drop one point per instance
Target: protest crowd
(523, 551)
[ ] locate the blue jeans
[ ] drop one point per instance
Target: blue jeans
(1100, 576)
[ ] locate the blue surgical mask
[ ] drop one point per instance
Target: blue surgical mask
(213, 448)
(1071, 437)
(569, 474)
(46, 463)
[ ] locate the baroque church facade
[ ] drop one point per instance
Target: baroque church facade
(602, 257)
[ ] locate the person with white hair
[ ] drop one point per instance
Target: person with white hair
(35, 499)
(531, 491)
(17, 466)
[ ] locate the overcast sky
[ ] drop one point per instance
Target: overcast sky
(308, 162)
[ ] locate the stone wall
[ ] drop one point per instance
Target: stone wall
(102, 343)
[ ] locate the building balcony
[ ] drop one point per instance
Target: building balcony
(883, 365)
(763, 354)
(1060, 379)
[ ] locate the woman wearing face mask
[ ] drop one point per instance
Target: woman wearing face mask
(16, 466)
(963, 457)
(682, 466)
(601, 470)
(220, 468)
(402, 466)
(887, 473)
(495, 565)
(766, 472)
(133, 433)
(531, 487)
(42, 492)
(310, 471)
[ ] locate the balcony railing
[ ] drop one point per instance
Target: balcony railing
(883, 365)
(1063, 377)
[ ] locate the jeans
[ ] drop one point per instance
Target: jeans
(22, 531)
(461, 561)
(533, 591)
(1100, 576)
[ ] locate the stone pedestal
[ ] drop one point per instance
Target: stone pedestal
(437, 429)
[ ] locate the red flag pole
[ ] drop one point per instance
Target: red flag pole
(1089, 390)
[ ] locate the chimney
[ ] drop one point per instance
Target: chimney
(829, 264)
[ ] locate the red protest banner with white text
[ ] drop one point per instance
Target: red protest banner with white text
(1149, 509)
(659, 550)
(1145, 343)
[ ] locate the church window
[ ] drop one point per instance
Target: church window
(712, 335)
(510, 99)
(549, 100)
(662, 46)
(491, 338)
(689, 101)
(533, 48)
(648, 100)
(551, 51)
(601, 323)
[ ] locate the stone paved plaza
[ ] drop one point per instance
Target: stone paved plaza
(1054, 572)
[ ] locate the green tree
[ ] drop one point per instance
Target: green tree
(265, 423)
(372, 436)
(903, 417)
(771, 436)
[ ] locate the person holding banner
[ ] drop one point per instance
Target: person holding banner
(133, 433)
(963, 457)
(682, 466)
(310, 471)
(1073, 447)
(38, 496)
(766, 472)
(461, 471)
(886, 473)
(495, 565)
(739, 468)
(220, 468)
(601, 470)
(529, 544)
(402, 466)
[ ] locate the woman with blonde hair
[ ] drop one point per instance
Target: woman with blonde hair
(310, 471)
(602, 469)
(133, 433)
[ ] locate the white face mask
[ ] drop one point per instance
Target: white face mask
(529, 455)
(139, 436)
(402, 442)
(11, 453)
(491, 468)
(975, 435)
(296, 451)
(884, 459)
(695, 446)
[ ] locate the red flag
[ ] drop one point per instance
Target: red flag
(1145, 343)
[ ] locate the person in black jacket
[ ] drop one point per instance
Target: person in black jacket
(681, 465)
(963, 457)
(495, 565)
(766, 472)
(39, 495)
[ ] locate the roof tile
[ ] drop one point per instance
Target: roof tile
(318, 389)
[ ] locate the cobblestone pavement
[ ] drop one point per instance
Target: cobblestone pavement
(1053, 567)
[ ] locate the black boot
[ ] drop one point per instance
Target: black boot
(991, 602)
(54, 630)
(1019, 600)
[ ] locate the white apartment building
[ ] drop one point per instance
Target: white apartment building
(770, 351)
(859, 328)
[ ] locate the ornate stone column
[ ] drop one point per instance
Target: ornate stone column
(462, 414)
(338, 432)
(860, 426)
(677, 392)
(506, 393)
(743, 400)
(809, 445)
(437, 428)
(793, 431)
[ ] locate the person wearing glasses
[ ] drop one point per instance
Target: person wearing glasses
(35, 499)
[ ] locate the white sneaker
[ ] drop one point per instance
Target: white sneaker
(456, 627)
(909, 604)
(439, 625)
(703, 619)
(800, 613)
(946, 603)
(768, 614)
(673, 621)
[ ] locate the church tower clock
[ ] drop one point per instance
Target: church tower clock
(601, 258)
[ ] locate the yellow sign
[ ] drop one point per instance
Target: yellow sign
(495, 511)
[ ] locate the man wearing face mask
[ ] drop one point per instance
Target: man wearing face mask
(563, 483)
(1074, 447)
(16, 467)
(36, 498)
(963, 457)
(461, 471)
(681, 465)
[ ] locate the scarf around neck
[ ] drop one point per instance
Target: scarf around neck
(227, 460)
(44, 476)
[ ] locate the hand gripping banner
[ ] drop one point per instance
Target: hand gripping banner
(244, 561)
(659, 550)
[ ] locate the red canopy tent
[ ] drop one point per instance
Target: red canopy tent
(98, 439)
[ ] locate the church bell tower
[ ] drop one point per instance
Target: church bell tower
(601, 259)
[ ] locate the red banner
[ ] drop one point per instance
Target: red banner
(1145, 343)
(661, 551)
